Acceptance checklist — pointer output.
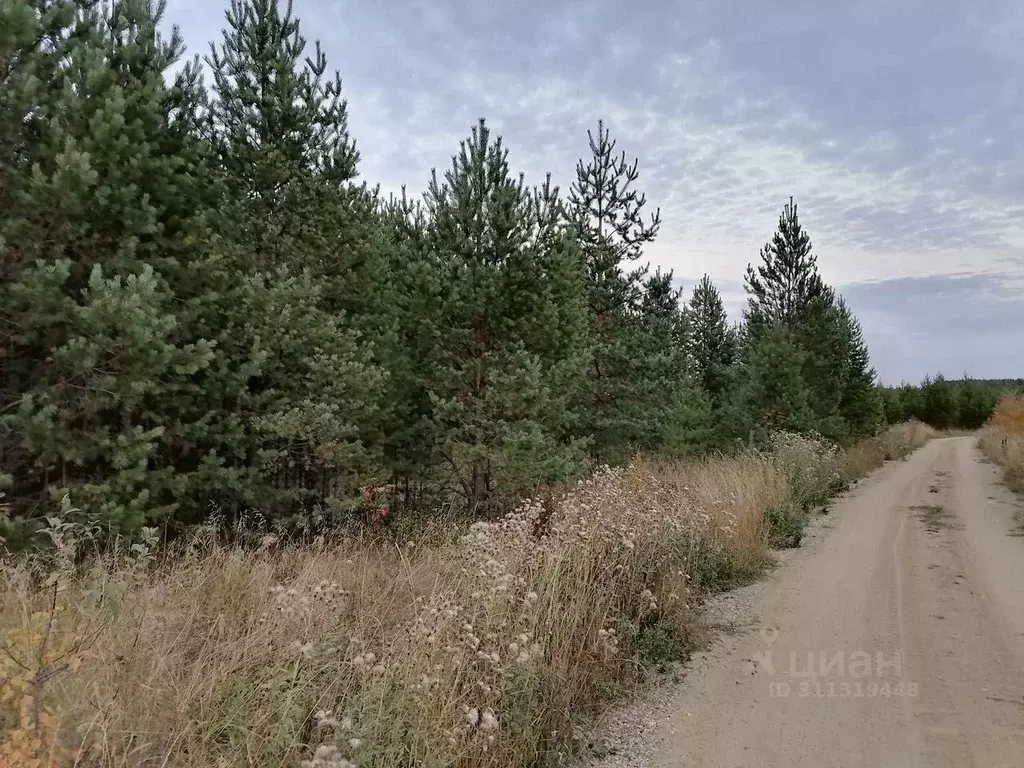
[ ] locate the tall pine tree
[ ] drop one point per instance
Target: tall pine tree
(785, 287)
(786, 293)
(608, 213)
(97, 184)
(509, 328)
(299, 258)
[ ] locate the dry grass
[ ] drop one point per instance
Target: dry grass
(895, 443)
(495, 649)
(1002, 440)
(740, 488)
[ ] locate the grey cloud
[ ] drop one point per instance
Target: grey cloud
(899, 127)
(947, 324)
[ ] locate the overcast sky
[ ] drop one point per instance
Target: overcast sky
(897, 126)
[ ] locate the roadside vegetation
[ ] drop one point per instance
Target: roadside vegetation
(895, 442)
(947, 404)
(293, 472)
(206, 314)
(1002, 440)
(482, 644)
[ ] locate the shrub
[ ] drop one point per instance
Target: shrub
(786, 526)
(1002, 440)
(813, 467)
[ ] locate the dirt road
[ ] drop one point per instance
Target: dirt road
(895, 640)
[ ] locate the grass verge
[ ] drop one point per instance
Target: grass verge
(493, 646)
(1002, 440)
(894, 443)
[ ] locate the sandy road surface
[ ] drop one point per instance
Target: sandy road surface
(896, 639)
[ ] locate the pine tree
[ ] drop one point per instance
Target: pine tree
(911, 401)
(280, 127)
(507, 347)
(976, 403)
(861, 405)
(786, 292)
(892, 406)
(785, 286)
(711, 342)
(97, 190)
(770, 392)
(297, 388)
(561, 326)
(939, 403)
(825, 339)
(667, 411)
(409, 433)
(608, 213)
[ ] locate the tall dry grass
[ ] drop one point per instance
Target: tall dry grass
(493, 649)
(894, 443)
(1002, 440)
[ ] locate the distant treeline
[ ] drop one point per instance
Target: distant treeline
(947, 403)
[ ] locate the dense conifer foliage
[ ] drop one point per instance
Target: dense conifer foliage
(205, 311)
(943, 403)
